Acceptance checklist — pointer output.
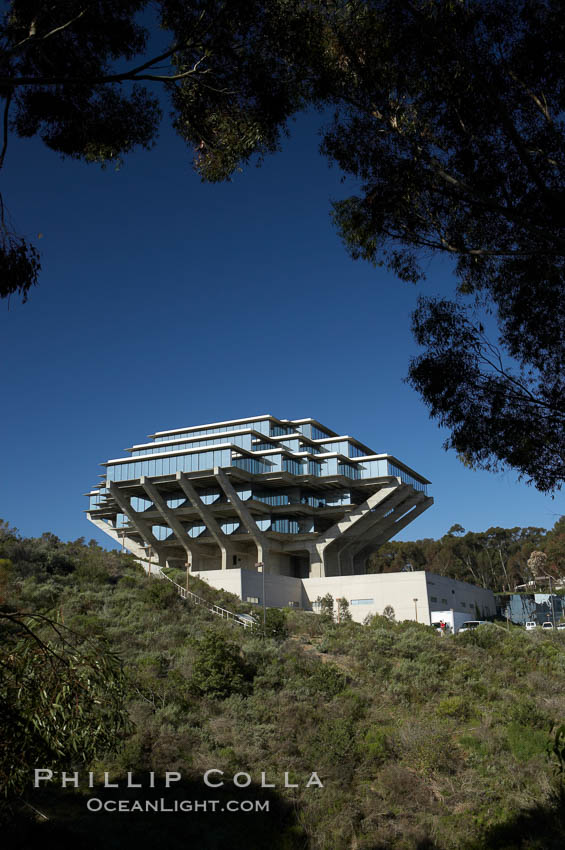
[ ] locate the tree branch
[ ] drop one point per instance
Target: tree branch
(131, 75)
(521, 392)
(34, 38)
(5, 131)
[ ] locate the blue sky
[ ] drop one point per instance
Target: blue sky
(164, 302)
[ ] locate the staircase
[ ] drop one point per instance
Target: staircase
(198, 600)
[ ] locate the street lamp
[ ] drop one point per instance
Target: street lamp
(262, 565)
(416, 608)
(551, 601)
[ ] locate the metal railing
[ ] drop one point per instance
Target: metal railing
(199, 600)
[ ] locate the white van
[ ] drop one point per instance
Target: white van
(531, 626)
(468, 625)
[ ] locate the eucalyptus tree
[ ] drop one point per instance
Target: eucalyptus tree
(448, 114)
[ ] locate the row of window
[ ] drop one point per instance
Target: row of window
(355, 451)
(312, 431)
(343, 447)
(252, 465)
(280, 430)
(281, 525)
(295, 467)
(168, 465)
(348, 470)
(258, 426)
(285, 526)
(444, 602)
(272, 498)
(210, 496)
(244, 441)
(406, 478)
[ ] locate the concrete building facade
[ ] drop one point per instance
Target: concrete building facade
(277, 511)
(291, 494)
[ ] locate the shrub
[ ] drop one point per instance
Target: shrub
(524, 742)
(487, 637)
(343, 612)
(275, 624)
(427, 748)
(327, 680)
(326, 604)
(219, 670)
(377, 744)
(455, 706)
(334, 743)
(159, 593)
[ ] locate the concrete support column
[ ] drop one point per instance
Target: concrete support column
(141, 525)
(360, 557)
(169, 516)
(207, 518)
(244, 514)
(386, 527)
(316, 561)
(349, 523)
(422, 504)
(345, 561)
(122, 539)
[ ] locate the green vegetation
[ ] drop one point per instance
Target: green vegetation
(498, 558)
(420, 741)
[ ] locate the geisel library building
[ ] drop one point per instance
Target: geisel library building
(287, 496)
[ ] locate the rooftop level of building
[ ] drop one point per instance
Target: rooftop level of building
(275, 425)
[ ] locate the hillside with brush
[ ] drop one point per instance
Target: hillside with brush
(420, 741)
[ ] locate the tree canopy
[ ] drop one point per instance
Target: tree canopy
(498, 558)
(449, 115)
(453, 122)
(77, 74)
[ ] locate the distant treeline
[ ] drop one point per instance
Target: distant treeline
(496, 558)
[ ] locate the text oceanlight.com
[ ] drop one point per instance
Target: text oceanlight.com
(95, 804)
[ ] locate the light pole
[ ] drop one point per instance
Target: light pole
(551, 601)
(262, 565)
(416, 608)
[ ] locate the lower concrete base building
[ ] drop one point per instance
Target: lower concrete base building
(419, 595)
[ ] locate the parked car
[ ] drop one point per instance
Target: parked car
(561, 627)
(530, 626)
(547, 625)
(468, 625)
